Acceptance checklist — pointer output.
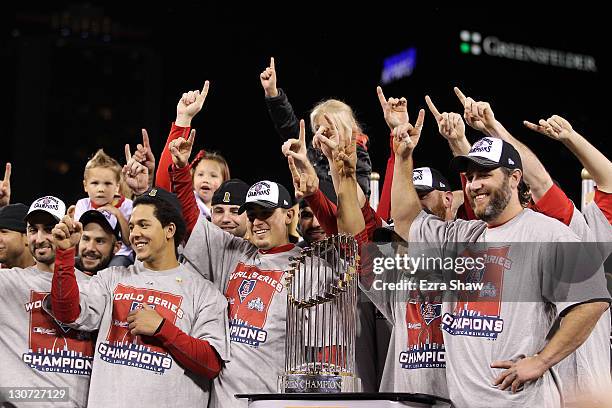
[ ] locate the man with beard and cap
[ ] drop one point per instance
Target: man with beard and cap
(14, 251)
(35, 350)
(100, 240)
(226, 202)
(510, 350)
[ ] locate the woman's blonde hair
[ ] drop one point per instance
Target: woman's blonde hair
(337, 108)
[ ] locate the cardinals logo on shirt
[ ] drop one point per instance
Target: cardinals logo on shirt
(430, 311)
(55, 347)
(245, 288)
(250, 292)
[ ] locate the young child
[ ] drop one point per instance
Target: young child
(102, 179)
(208, 172)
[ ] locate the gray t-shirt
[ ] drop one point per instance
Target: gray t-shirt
(587, 370)
(521, 302)
(132, 371)
(36, 350)
(416, 355)
(253, 283)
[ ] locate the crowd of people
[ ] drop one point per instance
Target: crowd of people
(165, 285)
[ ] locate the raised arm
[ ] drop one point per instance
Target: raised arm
(405, 204)
(279, 108)
(64, 288)
(598, 165)
(180, 151)
(451, 127)
(395, 113)
(145, 156)
(187, 108)
(480, 116)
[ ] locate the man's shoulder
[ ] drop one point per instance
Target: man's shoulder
(544, 227)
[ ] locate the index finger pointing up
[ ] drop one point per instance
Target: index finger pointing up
(205, 88)
(381, 96)
(128, 155)
(7, 172)
(460, 95)
(272, 62)
(432, 107)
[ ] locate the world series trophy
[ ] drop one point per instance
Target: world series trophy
(321, 319)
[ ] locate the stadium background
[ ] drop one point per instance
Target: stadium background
(78, 76)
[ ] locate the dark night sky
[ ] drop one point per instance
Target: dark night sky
(65, 95)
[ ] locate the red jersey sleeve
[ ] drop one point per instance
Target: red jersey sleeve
(162, 177)
(196, 355)
(384, 203)
(183, 187)
(604, 202)
(64, 287)
(325, 211)
(555, 204)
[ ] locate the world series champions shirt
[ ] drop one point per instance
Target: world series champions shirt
(415, 360)
(131, 371)
(253, 283)
(35, 349)
(514, 308)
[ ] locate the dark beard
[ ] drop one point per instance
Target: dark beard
(102, 264)
(497, 204)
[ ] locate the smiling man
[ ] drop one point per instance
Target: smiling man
(161, 326)
(35, 349)
(508, 364)
(225, 205)
(100, 240)
(251, 275)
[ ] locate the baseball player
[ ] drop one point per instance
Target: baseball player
(35, 349)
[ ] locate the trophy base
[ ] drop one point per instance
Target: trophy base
(318, 383)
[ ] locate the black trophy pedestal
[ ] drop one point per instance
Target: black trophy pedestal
(344, 400)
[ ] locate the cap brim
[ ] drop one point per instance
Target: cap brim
(423, 189)
(460, 163)
(261, 203)
(36, 212)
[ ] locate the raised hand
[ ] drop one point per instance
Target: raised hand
(554, 127)
(305, 181)
(406, 137)
(394, 109)
(180, 149)
(67, 233)
(268, 80)
(136, 175)
(5, 187)
(144, 155)
(450, 124)
(189, 105)
(477, 114)
(342, 144)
